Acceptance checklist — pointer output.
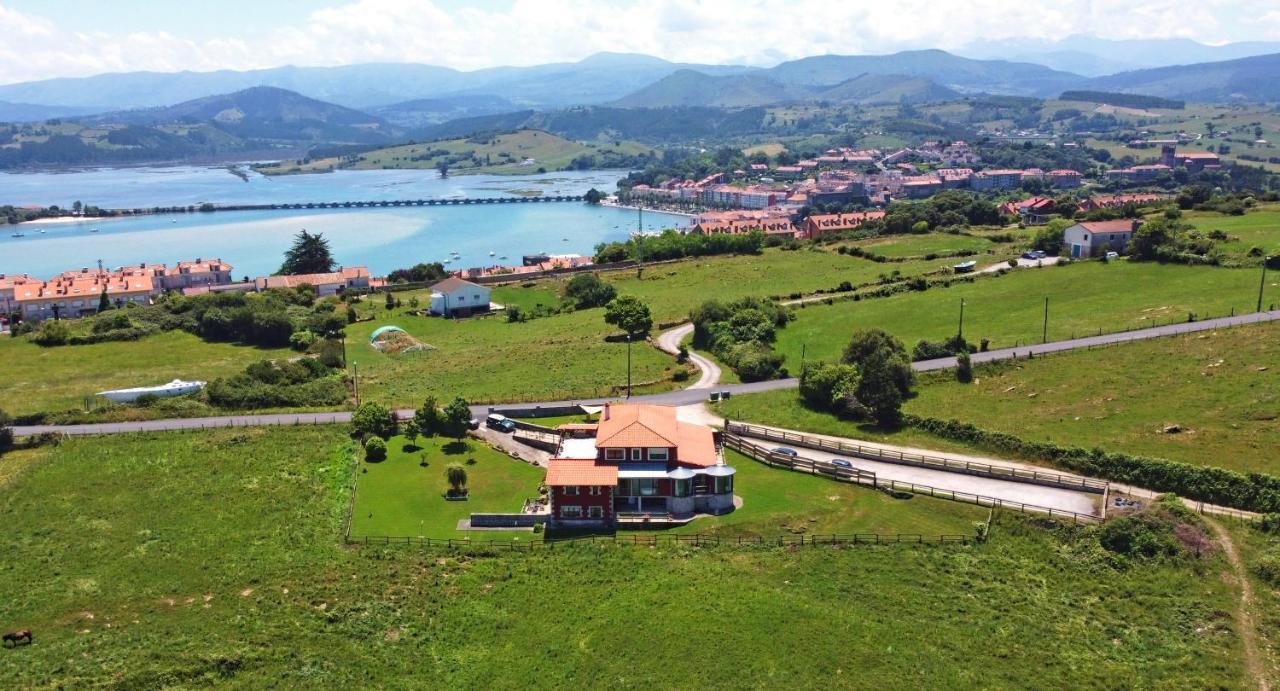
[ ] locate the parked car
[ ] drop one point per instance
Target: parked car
(500, 422)
(473, 423)
(841, 463)
(784, 451)
(1030, 254)
(1113, 255)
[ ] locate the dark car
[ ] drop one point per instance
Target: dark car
(473, 423)
(1030, 254)
(784, 451)
(841, 463)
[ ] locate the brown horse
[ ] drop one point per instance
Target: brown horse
(15, 636)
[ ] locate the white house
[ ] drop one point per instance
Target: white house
(456, 297)
(1092, 238)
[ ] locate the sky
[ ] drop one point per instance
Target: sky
(69, 38)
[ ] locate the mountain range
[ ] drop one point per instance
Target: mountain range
(1095, 57)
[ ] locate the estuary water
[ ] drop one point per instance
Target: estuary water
(253, 242)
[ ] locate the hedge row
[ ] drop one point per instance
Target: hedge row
(1248, 491)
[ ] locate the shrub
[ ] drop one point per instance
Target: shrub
(754, 362)
(302, 340)
(964, 367)
(886, 372)
(6, 432)
(1145, 535)
(829, 386)
(586, 290)
(375, 450)
(1268, 567)
(373, 419)
(52, 332)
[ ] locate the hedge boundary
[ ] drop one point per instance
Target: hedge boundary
(1248, 491)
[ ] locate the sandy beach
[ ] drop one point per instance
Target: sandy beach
(55, 220)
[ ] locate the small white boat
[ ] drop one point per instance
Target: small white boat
(174, 221)
(491, 254)
(42, 232)
(19, 235)
(503, 257)
(964, 267)
(177, 387)
(93, 230)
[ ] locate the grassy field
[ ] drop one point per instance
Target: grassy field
(932, 243)
(499, 154)
(1085, 297)
(400, 496)
(1259, 228)
(34, 379)
(212, 558)
(1222, 388)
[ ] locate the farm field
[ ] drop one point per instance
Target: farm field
(60, 378)
(400, 497)
(1085, 297)
(1260, 228)
(1222, 388)
(213, 558)
(934, 243)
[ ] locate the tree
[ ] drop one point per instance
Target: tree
(886, 372)
(426, 420)
(829, 386)
(587, 290)
(964, 367)
(309, 254)
(104, 302)
(631, 315)
(77, 207)
(593, 196)
(443, 167)
(456, 417)
(456, 476)
(373, 419)
(391, 301)
(375, 450)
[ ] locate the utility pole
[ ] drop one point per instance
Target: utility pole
(639, 218)
(1262, 283)
(960, 333)
(628, 366)
(1044, 338)
(355, 379)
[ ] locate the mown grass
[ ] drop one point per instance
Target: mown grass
(212, 558)
(401, 497)
(932, 243)
(1085, 298)
(34, 379)
(1260, 228)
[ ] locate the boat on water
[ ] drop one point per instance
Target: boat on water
(93, 230)
(177, 387)
(492, 254)
(42, 232)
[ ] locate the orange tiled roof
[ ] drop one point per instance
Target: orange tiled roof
(630, 426)
(697, 445)
(567, 472)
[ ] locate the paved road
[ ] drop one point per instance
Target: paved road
(675, 398)
(669, 341)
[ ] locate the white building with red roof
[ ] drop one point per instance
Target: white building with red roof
(640, 462)
(1092, 238)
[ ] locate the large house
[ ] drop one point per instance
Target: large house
(638, 462)
(818, 225)
(454, 297)
(1091, 238)
(345, 278)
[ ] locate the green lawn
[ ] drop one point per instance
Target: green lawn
(401, 497)
(195, 559)
(34, 379)
(557, 420)
(783, 502)
(1085, 297)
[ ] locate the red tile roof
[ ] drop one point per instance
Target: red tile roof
(563, 472)
(629, 426)
(1123, 225)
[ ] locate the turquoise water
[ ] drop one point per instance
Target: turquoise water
(253, 242)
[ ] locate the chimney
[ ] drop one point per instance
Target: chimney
(606, 412)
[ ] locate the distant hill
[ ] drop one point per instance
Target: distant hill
(1094, 57)
(267, 113)
(1252, 79)
(597, 79)
(31, 112)
(652, 126)
(886, 88)
(428, 111)
(952, 71)
(692, 88)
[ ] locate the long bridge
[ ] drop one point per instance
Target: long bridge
(376, 203)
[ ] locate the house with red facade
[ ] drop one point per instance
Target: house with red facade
(638, 463)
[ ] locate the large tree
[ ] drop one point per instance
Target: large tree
(587, 290)
(309, 254)
(629, 314)
(456, 417)
(885, 368)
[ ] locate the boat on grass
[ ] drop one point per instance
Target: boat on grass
(177, 387)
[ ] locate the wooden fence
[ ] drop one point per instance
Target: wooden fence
(950, 465)
(805, 465)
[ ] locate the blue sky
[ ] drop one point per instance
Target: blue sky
(59, 38)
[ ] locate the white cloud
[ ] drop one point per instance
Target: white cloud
(538, 31)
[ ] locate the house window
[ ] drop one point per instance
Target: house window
(571, 512)
(595, 512)
(637, 454)
(646, 487)
(615, 454)
(595, 490)
(723, 485)
(476, 297)
(1086, 236)
(571, 490)
(659, 454)
(683, 487)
